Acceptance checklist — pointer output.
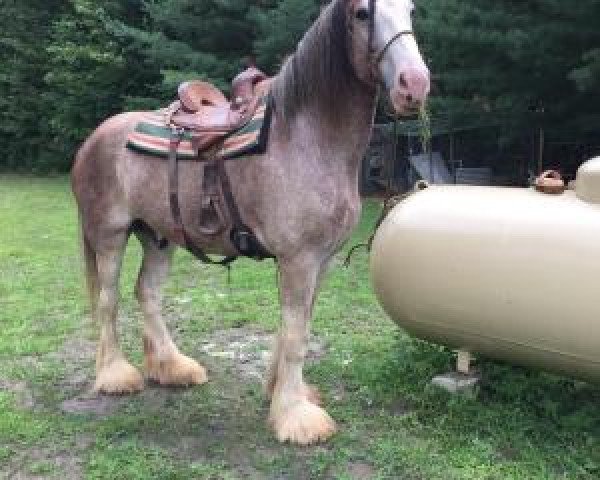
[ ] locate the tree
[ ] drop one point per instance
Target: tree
(90, 73)
(508, 58)
(493, 61)
(209, 40)
(23, 120)
(188, 39)
(280, 28)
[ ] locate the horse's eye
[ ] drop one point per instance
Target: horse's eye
(362, 14)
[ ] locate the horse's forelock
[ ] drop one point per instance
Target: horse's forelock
(320, 71)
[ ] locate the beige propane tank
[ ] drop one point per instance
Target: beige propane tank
(511, 273)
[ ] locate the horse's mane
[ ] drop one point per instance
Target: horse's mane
(320, 70)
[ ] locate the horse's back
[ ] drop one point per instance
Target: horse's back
(102, 149)
(110, 135)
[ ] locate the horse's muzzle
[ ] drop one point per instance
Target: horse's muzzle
(411, 91)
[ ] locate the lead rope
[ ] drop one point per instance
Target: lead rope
(391, 198)
(388, 205)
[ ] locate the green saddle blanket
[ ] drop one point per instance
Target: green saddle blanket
(152, 136)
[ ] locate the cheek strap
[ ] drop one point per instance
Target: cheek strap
(392, 40)
(374, 59)
(372, 13)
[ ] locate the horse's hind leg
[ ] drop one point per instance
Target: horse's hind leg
(293, 414)
(163, 362)
(114, 375)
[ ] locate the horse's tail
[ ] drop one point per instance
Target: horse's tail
(91, 270)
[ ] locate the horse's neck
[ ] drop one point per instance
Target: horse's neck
(318, 92)
(345, 136)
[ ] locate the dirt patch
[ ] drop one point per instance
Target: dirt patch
(76, 351)
(399, 408)
(360, 471)
(508, 453)
(249, 350)
(38, 463)
(245, 352)
(77, 356)
(99, 405)
(22, 392)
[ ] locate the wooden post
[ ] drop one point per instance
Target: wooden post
(541, 150)
(542, 134)
(452, 164)
(463, 362)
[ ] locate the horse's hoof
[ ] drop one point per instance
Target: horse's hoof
(176, 370)
(303, 423)
(119, 377)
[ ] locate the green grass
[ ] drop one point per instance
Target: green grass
(519, 424)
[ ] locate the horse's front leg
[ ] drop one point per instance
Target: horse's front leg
(294, 414)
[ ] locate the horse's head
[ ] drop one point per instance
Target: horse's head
(384, 50)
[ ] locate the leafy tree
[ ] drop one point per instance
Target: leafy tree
(190, 39)
(211, 39)
(506, 59)
(280, 28)
(23, 118)
(67, 64)
(90, 73)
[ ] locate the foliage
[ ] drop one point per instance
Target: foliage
(191, 39)
(212, 40)
(519, 64)
(24, 130)
(510, 59)
(89, 73)
(280, 29)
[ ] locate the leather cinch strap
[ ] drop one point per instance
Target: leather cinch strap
(241, 236)
(176, 137)
(182, 237)
(375, 58)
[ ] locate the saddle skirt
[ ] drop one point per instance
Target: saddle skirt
(153, 135)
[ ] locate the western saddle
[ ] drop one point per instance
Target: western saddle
(203, 112)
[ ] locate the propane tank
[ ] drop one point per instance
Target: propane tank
(511, 273)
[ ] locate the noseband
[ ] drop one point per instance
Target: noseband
(374, 57)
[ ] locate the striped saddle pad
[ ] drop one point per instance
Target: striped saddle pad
(152, 136)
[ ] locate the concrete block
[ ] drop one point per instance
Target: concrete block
(455, 382)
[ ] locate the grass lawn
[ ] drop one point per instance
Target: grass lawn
(520, 424)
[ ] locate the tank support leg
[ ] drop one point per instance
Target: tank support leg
(463, 362)
(463, 380)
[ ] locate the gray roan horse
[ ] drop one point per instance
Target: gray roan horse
(300, 199)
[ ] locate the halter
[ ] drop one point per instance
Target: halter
(374, 58)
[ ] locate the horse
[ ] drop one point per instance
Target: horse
(300, 199)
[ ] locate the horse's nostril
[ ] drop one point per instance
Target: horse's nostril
(413, 82)
(402, 81)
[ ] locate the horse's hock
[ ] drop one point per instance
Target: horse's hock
(509, 273)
